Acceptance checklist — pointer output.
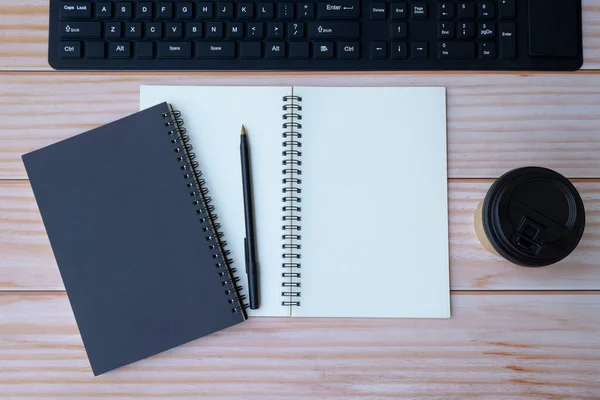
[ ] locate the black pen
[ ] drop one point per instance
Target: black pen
(250, 240)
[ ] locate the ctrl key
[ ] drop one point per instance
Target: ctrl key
(70, 49)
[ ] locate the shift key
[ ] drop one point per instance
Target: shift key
(77, 29)
(333, 30)
(174, 50)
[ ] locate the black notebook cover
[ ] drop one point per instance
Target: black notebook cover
(137, 251)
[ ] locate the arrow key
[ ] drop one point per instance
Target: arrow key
(296, 29)
(378, 50)
(275, 30)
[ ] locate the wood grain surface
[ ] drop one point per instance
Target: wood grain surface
(496, 346)
(24, 27)
(515, 333)
(27, 261)
(495, 122)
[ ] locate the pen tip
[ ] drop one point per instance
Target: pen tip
(243, 130)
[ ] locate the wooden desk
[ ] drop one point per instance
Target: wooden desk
(515, 332)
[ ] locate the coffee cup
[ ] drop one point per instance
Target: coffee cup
(531, 216)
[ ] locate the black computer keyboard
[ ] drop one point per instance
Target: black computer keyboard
(312, 35)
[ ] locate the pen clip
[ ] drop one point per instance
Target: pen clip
(246, 255)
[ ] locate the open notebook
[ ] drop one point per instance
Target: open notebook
(350, 191)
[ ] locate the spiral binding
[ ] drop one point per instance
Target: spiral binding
(292, 172)
(204, 210)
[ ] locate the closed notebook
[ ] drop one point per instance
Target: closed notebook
(350, 193)
(134, 239)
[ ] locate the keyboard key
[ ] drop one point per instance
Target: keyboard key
(245, 10)
(339, 9)
(420, 50)
(506, 9)
(214, 30)
(299, 50)
(487, 50)
(144, 10)
(445, 30)
(456, 50)
(235, 30)
(275, 30)
(205, 10)
(487, 30)
(194, 30)
(174, 30)
(119, 49)
(133, 30)
(419, 10)
(348, 50)
(255, 30)
(70, 49)
(154, 30)
(285, 10)
(95, 50)
(296, 30)
(174, 50)
(76, 9)
(398, 11)
(224, 10)
(144, 50)
(215, 49)
(80, 29)
(466, 10)
(250, 50)
(306, 11)
(378, 11)
(337, 30)
(466, 30)
(508, 40)
(265, 11)
(445, 10)
(275, 49)
(399, 50)
(124, 10)
(185, 11)
(323, 50)
(113, 29)
(165, 10)
(378, 50)
(398, 30)
(104, 9)
(486, 11)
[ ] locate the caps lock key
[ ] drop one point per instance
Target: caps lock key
(339, 9)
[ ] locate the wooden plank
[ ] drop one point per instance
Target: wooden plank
(508, 346)
(24, 24)
(495, 122)
(27, 262)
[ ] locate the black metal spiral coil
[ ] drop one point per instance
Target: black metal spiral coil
(204, 210)
(292, 172)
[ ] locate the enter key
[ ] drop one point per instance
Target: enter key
(508, 40)
(339, 9)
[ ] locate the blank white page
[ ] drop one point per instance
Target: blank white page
(374, 203)
(213, 117)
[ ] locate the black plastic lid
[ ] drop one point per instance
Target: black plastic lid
(533, 216)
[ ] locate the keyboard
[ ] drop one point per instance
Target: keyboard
(321, 35)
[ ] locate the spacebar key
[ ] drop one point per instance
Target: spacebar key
(215, 50)
(457, 50)
(174, 50)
